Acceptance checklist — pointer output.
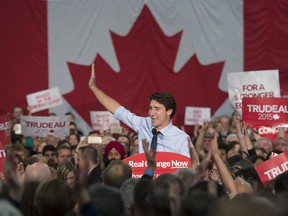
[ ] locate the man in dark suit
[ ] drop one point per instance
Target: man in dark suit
(90, 154)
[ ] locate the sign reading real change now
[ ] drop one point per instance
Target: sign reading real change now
(167, 162)
(57, 126)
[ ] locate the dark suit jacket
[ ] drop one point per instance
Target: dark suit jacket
(95, 176)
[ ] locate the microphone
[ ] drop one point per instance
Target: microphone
(154, 131)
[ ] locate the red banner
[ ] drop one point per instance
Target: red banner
(167, 162)
(5, 129)
(268, 170)
(265, 111)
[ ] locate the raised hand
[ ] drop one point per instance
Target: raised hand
(92, 77)
(194, 158)
(150, 155)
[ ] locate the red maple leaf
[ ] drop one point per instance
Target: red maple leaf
(146, 57)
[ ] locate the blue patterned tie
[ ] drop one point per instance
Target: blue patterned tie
(154, 139)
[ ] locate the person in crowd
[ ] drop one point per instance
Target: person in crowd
(223, 127)
(66, 172)
(265, 143)
(126, 141)
(63, 154)
(199, 203)
(49, 152)
(19, 150)
(280, 145)
(36, 158)
(204, 140)
(114, 151)
(142, 205)
(54, 197)
(162, 109)
(108, 200)
(73, 139)
(28, 207)
(74, 129)
(135, 145)
(165, 194)
(37, 172)
(90, 154)
(127, 192)
(41, 146)
(116, 173)
(16, 114)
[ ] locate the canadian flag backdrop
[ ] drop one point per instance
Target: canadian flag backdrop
(185, 47)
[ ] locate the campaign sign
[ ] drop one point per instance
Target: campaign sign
(197, 115)
(252, 84)
(57, 126)
(265, 111)
(103, 120)
(2, 157)
(270, 132)
(271, 168)
(44, 99)
(167, 162)
(5, 129)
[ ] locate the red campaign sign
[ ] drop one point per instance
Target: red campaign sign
(265, 111)
(268, 170)
(167, 162)
(5, 129)
(268, 131)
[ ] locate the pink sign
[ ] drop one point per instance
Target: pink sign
(268, 170)
(5, 129)
(167, 162)
(265, 111)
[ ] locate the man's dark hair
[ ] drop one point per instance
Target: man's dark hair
(281, 183)
(199, 203)
(140, 196)
(62, 147)
(159, 193)
(90, 153)
(166, 99)
(108, 200)
(48, 148)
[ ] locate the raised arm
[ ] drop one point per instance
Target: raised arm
(241, 135)
(225, 176)
(200, 140)
(281, 132)
(109, 103)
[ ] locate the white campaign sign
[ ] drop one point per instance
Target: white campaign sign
(252, 84)
(44, 99)
(103, 120)
(196, 115)
(57, 126)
